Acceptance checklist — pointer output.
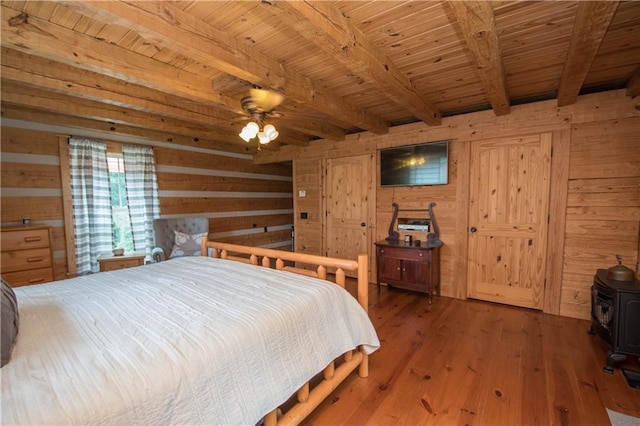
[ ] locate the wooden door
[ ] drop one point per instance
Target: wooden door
(348, 185)
(508, 215)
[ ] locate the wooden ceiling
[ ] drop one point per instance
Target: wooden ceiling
(176, 71)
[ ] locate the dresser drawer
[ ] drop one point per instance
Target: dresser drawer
(25, 239)
(13, 261)
(405, 253)
(34, 276)
(115, 264)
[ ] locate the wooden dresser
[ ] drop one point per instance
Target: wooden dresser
(27, 257)
(408, 266)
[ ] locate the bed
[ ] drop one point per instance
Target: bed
(224, 338)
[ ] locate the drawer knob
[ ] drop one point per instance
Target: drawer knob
(35, 259)
(36, 280)
(381, 250)
(420, 255)
(32, 239)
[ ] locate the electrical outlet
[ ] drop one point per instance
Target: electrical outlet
(302, 193)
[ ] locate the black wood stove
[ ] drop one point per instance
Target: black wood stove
(615, 316)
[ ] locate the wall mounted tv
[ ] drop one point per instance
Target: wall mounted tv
(422, 164)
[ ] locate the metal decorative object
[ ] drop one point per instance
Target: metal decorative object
(433, 238)
(393, 234)
(620, 272)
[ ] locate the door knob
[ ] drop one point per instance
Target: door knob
(473, 229)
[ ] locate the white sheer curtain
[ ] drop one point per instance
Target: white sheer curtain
(91, 198)
(142, 194)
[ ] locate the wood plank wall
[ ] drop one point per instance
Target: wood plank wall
(603, 205)
(309, 231)
(245, 203)
(595, 201)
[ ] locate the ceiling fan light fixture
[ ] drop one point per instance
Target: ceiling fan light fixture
(249, 131)
(258, 105)
(263, 138)
(270, 131)
(255, 129)
(245, 135)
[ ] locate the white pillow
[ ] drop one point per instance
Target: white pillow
(186, 244)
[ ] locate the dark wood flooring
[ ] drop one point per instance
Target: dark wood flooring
(465, 362)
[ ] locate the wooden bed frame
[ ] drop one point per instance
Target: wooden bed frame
(308, 398)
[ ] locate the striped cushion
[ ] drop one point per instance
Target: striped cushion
(9, 321)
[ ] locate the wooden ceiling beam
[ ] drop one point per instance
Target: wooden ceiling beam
(39, 37)
(84, 108)
(37, 72)
(30, 71)
(479, 31)
(48, 101)
(320, 128)
(289, 136)
(592, 21)
(36, 36)
(324, 25)
(183, 33)
(633, 85)
(117, 131)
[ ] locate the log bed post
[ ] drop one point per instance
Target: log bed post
(363, 299)
(363, 281)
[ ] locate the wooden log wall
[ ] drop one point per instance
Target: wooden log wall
(245, 203)
(31, 186)
(594, 201)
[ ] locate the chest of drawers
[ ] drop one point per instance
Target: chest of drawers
(26, 255)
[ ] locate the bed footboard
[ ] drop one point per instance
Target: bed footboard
(307, 398)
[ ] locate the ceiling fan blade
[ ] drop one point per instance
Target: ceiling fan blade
(240, 118)
(274, 114)
(266, 100)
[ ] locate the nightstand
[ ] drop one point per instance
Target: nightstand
(109, 262)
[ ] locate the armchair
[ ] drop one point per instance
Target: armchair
(164, 236)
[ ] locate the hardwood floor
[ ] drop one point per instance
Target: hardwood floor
(460, 362)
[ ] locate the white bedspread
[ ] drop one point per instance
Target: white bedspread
(192, 340)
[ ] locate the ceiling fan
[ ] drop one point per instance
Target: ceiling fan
(259, 104)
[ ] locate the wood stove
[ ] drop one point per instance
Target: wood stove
(615, 316)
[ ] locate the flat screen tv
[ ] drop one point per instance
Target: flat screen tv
(422, 164)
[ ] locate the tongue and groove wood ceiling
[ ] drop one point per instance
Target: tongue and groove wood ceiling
(176, 70)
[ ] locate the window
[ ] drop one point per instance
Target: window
(111, 200)
(121, 222)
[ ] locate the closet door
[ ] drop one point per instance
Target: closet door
(347, 187)
(509, 207)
